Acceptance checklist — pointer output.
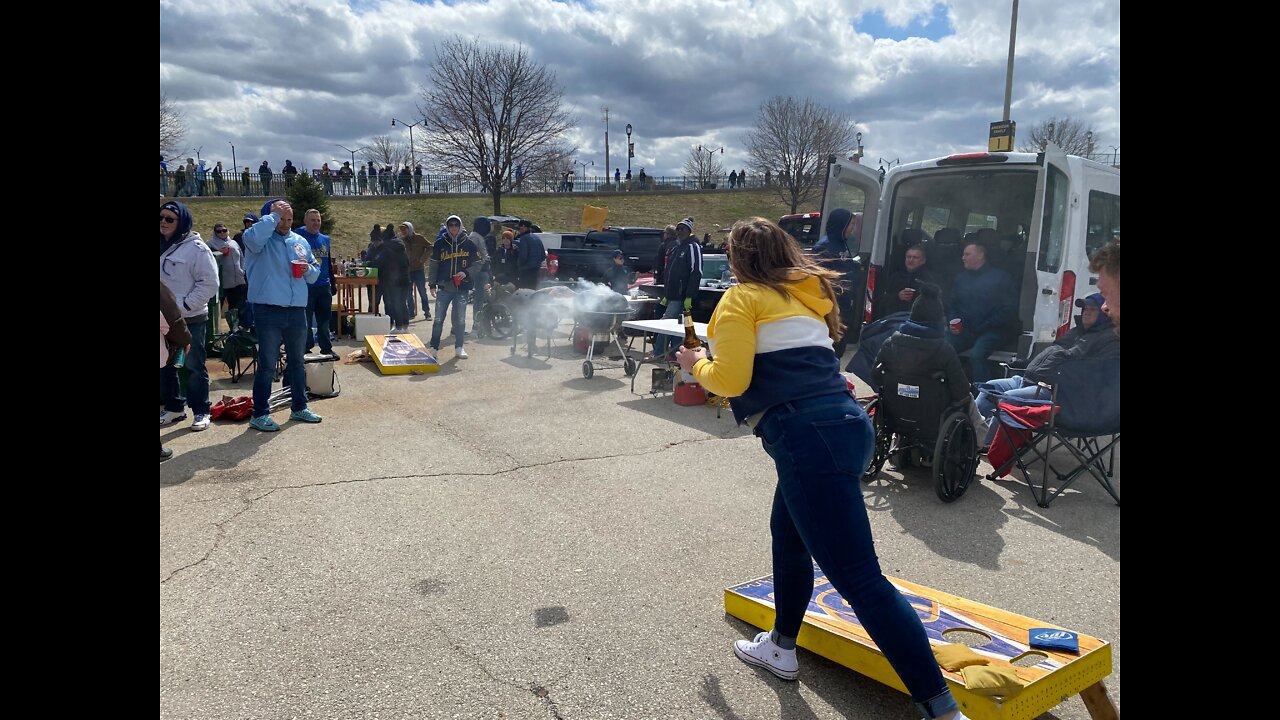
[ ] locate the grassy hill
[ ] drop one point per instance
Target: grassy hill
(354, 217)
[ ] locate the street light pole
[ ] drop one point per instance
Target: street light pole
(857, 154)
(1008, 76)
(628, 151)
(1115, 154)
(710, 155)
(412, 157)
(234, 166)
(584, 170)
(605, 109)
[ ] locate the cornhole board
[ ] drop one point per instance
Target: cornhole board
(832, 630)
(400, 354)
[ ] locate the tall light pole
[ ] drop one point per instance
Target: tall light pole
(1115, 154)
(412, 158)
(605, 109)
(353, 154)
(234, 166)
(710, 153)
(629, 151)
(1008, 76)
(584, 170)
(857, 153)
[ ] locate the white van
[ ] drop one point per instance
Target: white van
(1040, 217)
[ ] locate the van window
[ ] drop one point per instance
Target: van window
(935, 218)
(1053, 233)
(1104, 220)
(979, 221)
(850, 197)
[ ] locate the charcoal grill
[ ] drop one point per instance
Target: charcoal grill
(603, 315)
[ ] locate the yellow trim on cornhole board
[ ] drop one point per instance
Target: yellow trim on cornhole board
(400, 354)
(831, 630)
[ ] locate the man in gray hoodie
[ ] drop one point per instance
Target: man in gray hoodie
(188, 269)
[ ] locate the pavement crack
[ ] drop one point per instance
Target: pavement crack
(221, 534)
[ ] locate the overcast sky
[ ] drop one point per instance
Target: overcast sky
(291, 79)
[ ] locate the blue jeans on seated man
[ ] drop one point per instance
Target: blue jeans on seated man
(319, 310)
(980, 346)
(820, 447)
(276, 324)
(445, 299)
(661, 343)
(1010, 389)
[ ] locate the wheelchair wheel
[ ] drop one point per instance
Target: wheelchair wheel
(883, 440)
(955, 457)
(500, 321)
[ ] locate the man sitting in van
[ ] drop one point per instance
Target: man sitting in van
(900, 288)
(984, 305)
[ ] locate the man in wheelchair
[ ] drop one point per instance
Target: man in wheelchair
(925, 401)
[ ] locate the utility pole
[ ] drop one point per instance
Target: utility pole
(1008, 76)
(605, 109)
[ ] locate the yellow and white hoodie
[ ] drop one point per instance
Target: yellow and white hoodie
(769, 348)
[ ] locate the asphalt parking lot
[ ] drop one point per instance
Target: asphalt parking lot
(506, 539)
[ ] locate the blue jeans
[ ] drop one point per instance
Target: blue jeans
(820, 447)
(276, 324)
(675, 308)
(418, 279)
(982, 346)
(197, 382)
(1009, 389)
(479, 282)
(319, 310)
(446, 298)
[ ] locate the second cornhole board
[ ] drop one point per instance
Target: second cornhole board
(400, 354)
(832, 630)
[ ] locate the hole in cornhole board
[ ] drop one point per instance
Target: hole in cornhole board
(1031, 658)
(966, 636)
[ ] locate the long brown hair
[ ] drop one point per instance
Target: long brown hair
(763, 253)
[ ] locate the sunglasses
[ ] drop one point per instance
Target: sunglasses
(168, 219)
(223, 231)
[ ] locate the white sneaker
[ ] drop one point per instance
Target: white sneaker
(168, 417)
(762, 652)
(461, 354)
(200, 423)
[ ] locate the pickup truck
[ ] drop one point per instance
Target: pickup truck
(588, 256)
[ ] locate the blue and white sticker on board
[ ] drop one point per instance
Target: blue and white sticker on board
(908, 391)
(1053, 639)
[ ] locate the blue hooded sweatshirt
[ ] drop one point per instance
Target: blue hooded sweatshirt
(268, 259)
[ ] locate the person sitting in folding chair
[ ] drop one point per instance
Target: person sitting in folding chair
(1081, 413)
(1093, 336)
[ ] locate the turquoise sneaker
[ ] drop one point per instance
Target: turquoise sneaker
(264, 423)
(305, 415)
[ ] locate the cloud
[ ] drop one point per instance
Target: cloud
(291, 78)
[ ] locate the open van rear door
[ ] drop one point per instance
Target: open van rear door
(1048, 286)
(856, 188)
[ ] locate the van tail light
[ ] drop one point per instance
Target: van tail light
(1066, 300)
(870, 293)
(553, 264)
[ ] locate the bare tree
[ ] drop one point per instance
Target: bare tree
(1072, 135)
(703, 166)
(793, 138)
(488, 109)
(173, 126)
(384, 151)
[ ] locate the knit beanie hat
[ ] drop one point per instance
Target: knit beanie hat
(927, 309)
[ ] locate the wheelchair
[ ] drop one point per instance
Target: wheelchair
(917, 411)
(497, 317)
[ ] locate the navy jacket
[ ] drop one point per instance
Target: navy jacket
(984, 299)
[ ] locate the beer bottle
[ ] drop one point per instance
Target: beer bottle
(690, 336)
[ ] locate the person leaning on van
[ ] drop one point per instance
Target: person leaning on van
(984, 304)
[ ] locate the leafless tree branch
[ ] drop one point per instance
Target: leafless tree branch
(792, 139)
(489, 109)
(173, 126)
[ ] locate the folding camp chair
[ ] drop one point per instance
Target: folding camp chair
(1082, 416)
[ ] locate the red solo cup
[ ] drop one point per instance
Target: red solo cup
(457, 281)
(957, 326)
(299, 268)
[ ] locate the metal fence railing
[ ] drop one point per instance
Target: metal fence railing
(173, 184)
